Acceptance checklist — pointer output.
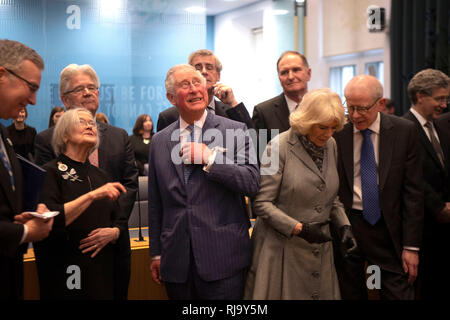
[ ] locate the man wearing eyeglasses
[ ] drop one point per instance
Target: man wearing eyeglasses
(225, 105)
(20, 77)
(381, 188)
(78, 87)
(428, 92)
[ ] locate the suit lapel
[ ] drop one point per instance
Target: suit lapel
(346, 153)
(211, 122)
(386, 148)
(282, 112)
(299, 152)
(174, 147)
(4, 175)
(102, 148)
(425, 141)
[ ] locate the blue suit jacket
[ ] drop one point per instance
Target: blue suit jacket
(206, 214)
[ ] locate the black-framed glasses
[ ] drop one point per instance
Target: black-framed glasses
(80, 89)
(32, 86)
(362, 110)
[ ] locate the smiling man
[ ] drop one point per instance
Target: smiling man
(221, 99)
(428, 92)
(294, 73)
(20, 78)
(380, 185)
(199, 240)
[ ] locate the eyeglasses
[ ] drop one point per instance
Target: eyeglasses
(87, 123)
(360, 109)
(32, 86)
(80, 89)
(442, 100)
(187, 84)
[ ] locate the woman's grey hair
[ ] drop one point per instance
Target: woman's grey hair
(205, 52)
(170, 79)
(13, 53)
(318, 106)
(425, 82)
(65, 127)
(73, 69)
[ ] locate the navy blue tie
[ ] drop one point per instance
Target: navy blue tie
(187, 169)
(7, 165)
(369, 184)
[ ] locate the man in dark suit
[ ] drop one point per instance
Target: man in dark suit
(294, 73)
(20, 77)
(78, 87)
(381, 188)
(210, 67)
(443, 122)
(199, 239)
(428, 92)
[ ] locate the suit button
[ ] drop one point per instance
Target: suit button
(321, 187)
(316, 252)
(315, 274)
(318, 209)
(315, 296)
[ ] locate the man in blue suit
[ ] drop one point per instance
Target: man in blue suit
(200, 167)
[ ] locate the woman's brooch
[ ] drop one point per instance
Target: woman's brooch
(68, 174)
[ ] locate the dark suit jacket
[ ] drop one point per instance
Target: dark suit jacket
(11, 252)
(272, 114)
(436, 180)
(238, 113)
(206, 215)
(444, 124)
(400, 179)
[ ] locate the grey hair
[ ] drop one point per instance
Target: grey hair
(73, 69)
(13, 54)
(205, 52)
(64, 128)
(318, 106)
(170, 79)
(425, 82)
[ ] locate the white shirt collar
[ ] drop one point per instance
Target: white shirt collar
(291, 104)
(418, 116)
(199, 123)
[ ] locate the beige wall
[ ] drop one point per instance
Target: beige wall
(337, 35)
(345, 27)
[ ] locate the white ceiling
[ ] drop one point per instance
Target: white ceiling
(214, 7)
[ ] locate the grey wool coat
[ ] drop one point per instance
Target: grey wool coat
(286, 266)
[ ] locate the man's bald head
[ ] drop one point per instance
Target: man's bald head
(364, 99)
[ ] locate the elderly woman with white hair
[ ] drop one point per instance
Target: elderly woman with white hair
(293, 251)
(76, 261)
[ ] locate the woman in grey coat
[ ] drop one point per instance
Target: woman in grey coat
(297, 202)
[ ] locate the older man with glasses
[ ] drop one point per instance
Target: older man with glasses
(381, 189)
(428, 92)
(78, 87)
